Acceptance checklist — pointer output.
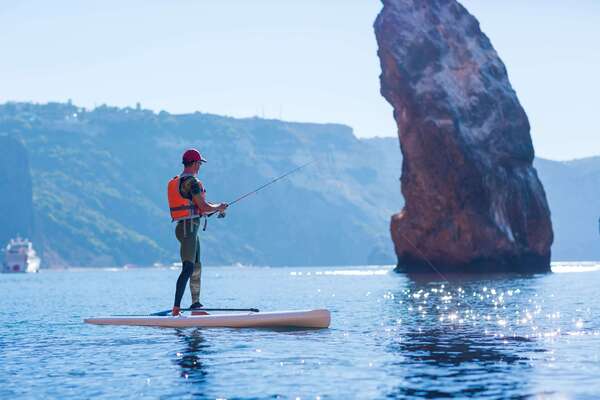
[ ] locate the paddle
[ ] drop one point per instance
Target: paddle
(167, 312)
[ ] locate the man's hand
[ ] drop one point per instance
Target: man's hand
(221, 208)
(176, 311)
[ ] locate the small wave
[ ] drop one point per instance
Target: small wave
(344, 272)
(575, 266)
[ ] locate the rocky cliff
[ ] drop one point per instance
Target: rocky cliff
(99, 181)
(16, 210)
(473, 201)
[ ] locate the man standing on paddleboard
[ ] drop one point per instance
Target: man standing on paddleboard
(187, 203)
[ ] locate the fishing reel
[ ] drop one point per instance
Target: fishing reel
(221, 214)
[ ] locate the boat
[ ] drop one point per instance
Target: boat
(19, 256)
(274, 319)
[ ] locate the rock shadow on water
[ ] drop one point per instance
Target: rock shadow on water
(436, 357)
(522, 265)
(444, 363)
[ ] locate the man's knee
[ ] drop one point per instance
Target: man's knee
(195, 279)
(187, 268)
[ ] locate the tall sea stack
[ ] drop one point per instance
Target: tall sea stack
(473, 201)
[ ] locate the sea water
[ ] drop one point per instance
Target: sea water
(391, 335)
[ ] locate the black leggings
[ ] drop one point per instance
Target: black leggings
(186, 272)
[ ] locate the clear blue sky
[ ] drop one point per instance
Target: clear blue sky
(303, 60)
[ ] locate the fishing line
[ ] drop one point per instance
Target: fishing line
(262, 187)
(424, 257)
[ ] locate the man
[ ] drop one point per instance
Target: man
(187, 203)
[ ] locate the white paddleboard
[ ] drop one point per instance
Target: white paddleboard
(274, 319)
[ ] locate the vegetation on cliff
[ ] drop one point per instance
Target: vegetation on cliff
(98, 182)
(99, 179)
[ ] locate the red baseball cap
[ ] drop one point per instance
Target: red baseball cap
(191, 155)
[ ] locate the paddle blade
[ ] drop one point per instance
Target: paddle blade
(161, 313)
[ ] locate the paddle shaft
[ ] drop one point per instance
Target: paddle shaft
(167, 312)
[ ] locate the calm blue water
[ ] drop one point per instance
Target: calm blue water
(391, 336)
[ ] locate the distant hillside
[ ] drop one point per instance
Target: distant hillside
(99, 180)
(573, 191)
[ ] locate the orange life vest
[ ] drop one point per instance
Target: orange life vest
(180, 207)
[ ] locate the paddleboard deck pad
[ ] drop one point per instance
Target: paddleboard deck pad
(274, 319)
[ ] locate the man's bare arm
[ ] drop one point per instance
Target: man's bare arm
(206, 207)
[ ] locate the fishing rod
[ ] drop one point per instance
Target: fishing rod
(222, 214)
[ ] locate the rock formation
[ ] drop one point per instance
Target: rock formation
(473, 201)
(16, 216)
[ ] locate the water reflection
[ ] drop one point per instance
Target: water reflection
(190, 358)
(461, 338)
